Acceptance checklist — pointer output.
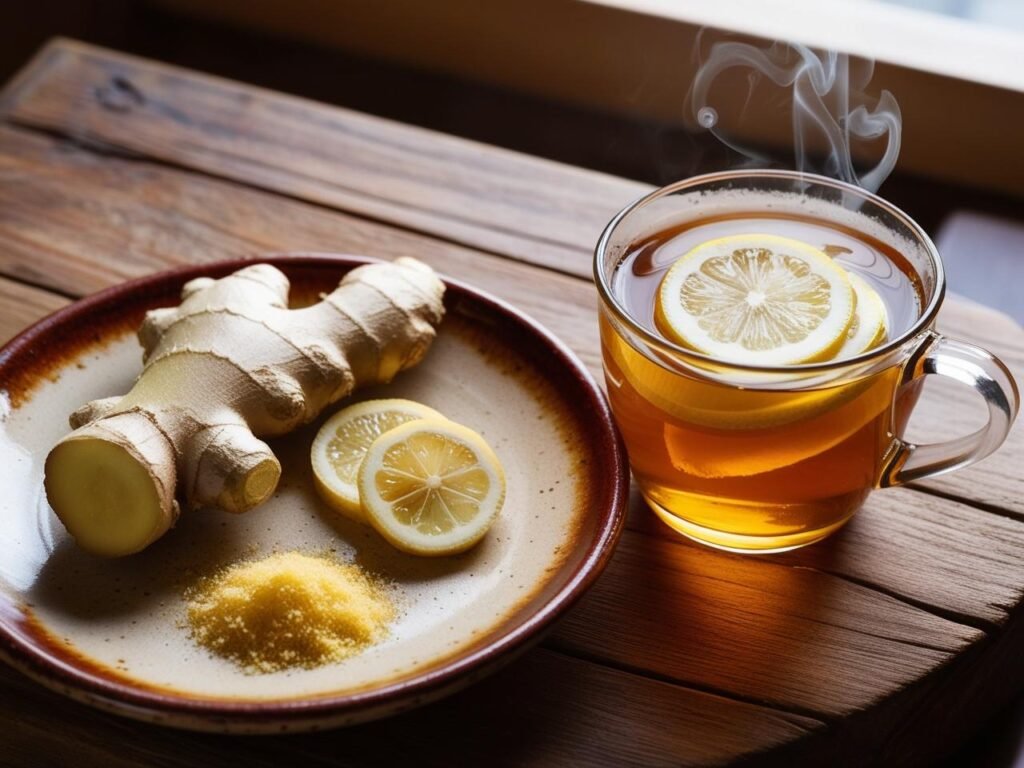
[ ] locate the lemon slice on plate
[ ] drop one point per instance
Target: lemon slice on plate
(342, 442)
(870, 326)
(757, 299)
(431, 487)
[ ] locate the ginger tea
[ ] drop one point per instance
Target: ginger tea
(733, 463)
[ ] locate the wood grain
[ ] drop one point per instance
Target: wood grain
(166, 217)
(518, 206)
(891, 639)
(511, 204)
(560, 703)
(21, 305)
(759, 630)
(934, 553)
(734, 621)
(78, 222)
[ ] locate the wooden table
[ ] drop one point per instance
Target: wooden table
(890, 642)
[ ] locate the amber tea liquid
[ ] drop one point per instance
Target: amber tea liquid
(738, 466)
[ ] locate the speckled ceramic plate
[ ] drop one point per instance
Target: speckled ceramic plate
(111, 632)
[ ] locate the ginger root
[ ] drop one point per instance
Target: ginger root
(228, 365)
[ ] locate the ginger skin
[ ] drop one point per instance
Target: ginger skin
(228, 365)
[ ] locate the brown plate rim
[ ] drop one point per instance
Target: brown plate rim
(611, 471)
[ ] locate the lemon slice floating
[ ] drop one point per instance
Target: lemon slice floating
(757, 299)
(344, 439)
(870, 326)
(431, 487)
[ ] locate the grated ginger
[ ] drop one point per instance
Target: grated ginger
(288, 610)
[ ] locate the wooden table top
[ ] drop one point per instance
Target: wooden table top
(890, 642)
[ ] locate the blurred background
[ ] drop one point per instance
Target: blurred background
(606, 84)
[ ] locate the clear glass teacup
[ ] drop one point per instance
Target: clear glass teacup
(753, 458)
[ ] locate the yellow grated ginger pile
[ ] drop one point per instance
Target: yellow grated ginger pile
(288, 610)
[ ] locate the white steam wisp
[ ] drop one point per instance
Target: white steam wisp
(823, 90)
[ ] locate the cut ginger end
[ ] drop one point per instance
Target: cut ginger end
(106, 498)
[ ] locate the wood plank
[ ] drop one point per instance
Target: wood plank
(755, 626)
(139, 217)
(21, 305)
(508, 203)
(78, 222)
(142, 217)
(902, 670)
(796, 638)
(546, 709)
(947, 557)
(499, 201)
(666, 609)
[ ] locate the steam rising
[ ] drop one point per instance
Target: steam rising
(828, 103)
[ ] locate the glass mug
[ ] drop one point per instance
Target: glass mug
(752, 458)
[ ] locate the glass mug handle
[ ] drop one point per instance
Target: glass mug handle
(986, 375)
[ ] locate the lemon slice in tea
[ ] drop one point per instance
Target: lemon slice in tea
(342, 442)
(870, 326)
(431, 487)
(757, 299)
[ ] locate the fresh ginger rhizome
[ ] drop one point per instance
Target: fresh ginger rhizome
(229, 365)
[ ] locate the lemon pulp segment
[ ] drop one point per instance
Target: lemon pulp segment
(431, 487)
(342, 442)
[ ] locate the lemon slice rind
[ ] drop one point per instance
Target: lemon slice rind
(871, 322)
(431, 487)
(346, 436)
(787, 270)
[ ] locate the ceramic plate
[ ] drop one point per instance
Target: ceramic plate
(111, 632)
